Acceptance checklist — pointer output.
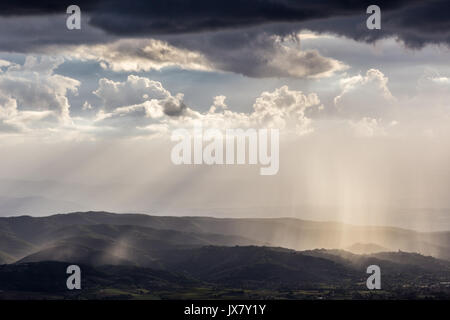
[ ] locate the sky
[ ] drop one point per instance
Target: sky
(86, 115)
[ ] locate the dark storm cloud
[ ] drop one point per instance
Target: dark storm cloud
(236, 36)
(175, 16)
(425, 22)
(37, 7)
(180, 16)
(31, 33)
(414, 21)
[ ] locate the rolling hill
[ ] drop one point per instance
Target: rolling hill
(231, 272)
(139, 256)
(279, 232)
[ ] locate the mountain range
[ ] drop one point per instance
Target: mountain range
(143, 256)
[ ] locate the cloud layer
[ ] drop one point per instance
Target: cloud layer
(33, 95)
(36, 100)
(416, 22)
(146, 106)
